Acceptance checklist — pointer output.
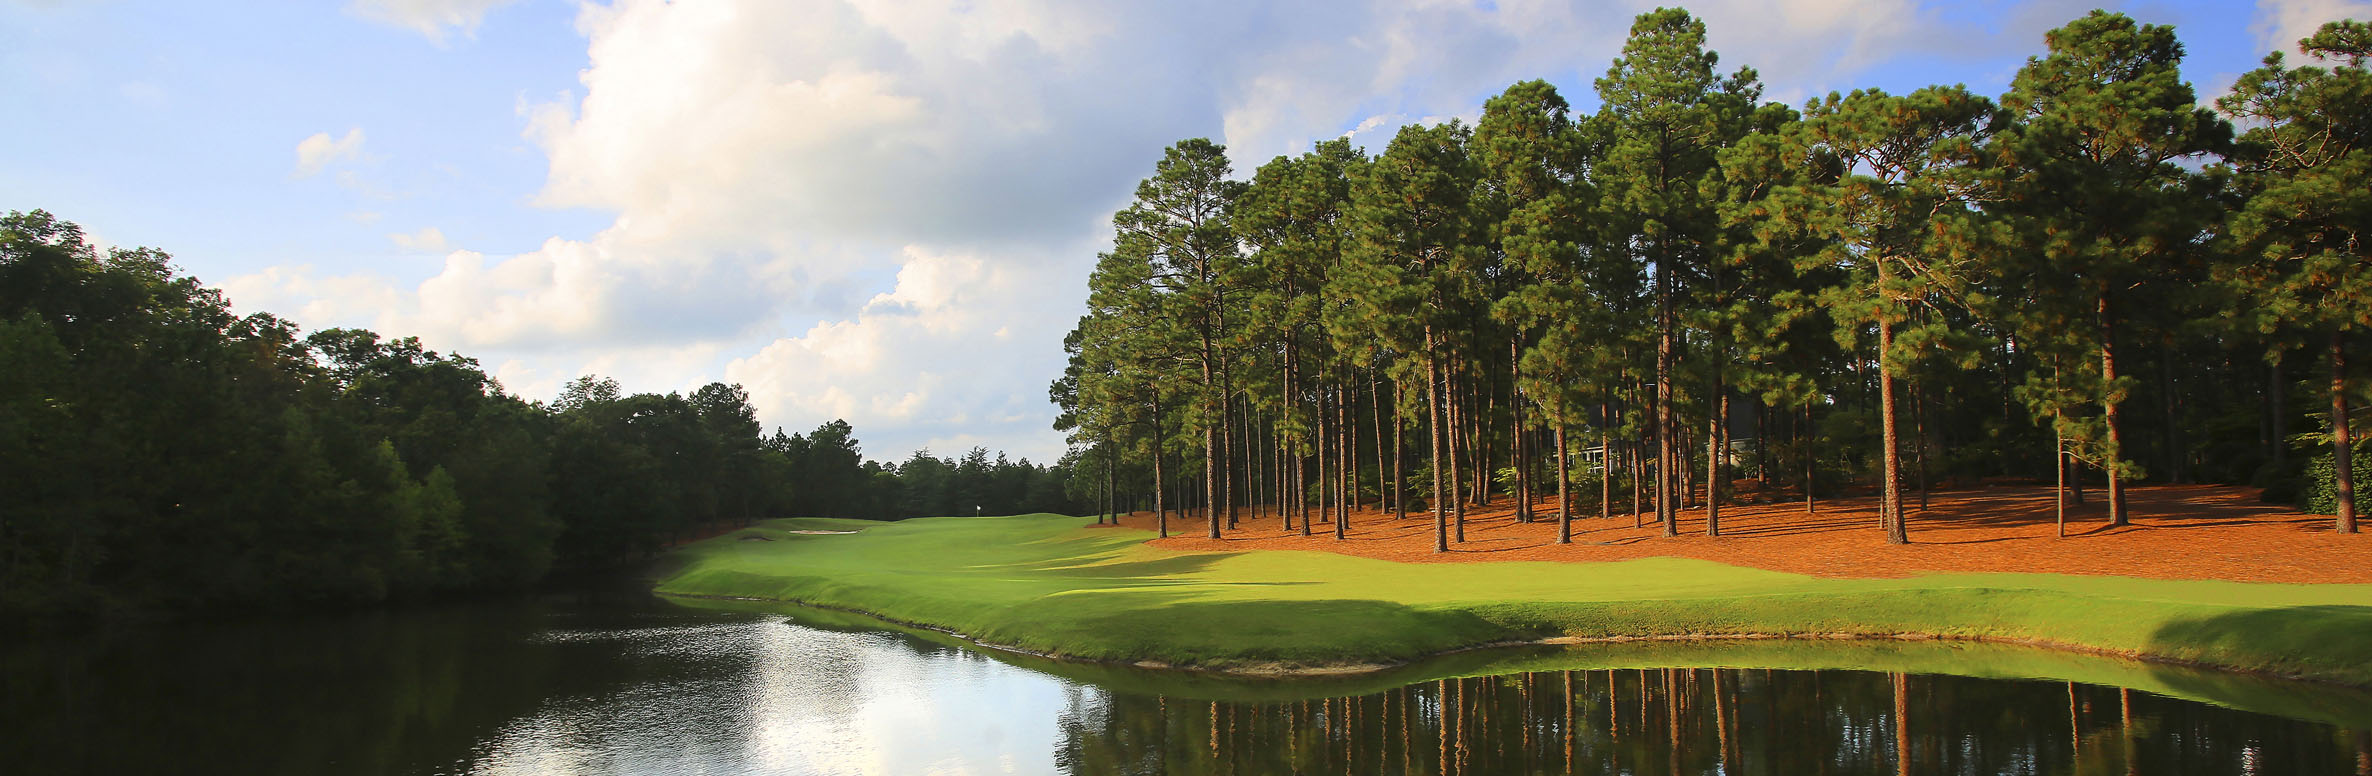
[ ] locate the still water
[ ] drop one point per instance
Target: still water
(601, 684)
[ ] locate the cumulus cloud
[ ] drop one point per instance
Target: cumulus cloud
(2280, 24)
(428, 240)
(961, 343)
(320, 151)
(304, 294)
(431, 18)
(773, 166)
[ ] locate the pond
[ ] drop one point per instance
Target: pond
(627, 684)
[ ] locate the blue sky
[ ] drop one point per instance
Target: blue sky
(882, 211)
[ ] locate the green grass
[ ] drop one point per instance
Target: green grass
(2344, 707)
(1047, 584)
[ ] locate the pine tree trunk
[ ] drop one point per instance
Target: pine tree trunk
(2342, 441)
(1375, 406)
(1716, 448)
(1890, 504)
(1210, 465)
(1276, 474)
(1250, 448)
(1280, 479)
(1301, 483)
(1666, 471)
(1399, 457)
(1457, 496)
(1348, 449)
(2171, 456)
(1314, 483)
(2276, 418)
(1515, 429)
(1161, 515)
(1902, 728)
(1329, 462)
(1441, 535)
(1605, 461)
(1324, 453)
(1344, 496)
(1346, 426)
(1639, 484)
(1806, 439)
(1287, 478)
(2115, 455)
(1472, 452)
(1480, 431)
(1564, 496)
(2075, 477)
(1919, 438)
(1227, 447)
(1687, 489)
(1762, 448)
(2059, 465)
(1718, 425)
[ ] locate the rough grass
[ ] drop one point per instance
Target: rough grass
(1047, 583)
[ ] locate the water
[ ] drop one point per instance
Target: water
(603, 684)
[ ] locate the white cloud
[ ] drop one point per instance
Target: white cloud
(959, 336)
(428, 240)
(2281, 23)
(320, 151)
(430, 18)
(771, 165)
(301, 293)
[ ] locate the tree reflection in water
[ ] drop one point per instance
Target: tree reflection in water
(598, 684)
(1701, 721)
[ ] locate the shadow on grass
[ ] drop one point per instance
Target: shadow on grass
(1105, 567)
(2324, 643)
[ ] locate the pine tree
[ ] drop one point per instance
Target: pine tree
(1533, 159)
(2094, 175)
(2305, 166)
(1295, 218)
(1667, 113)
(1872, 177)
(1179, 225)
(1409, 275)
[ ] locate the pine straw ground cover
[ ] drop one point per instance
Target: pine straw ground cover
(1264, 603)
(2178, 532)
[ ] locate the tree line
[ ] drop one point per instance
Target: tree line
(2089, 278)
(159, 452)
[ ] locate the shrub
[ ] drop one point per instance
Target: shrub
(2322, 482)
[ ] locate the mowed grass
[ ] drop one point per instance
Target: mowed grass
(1052, 584)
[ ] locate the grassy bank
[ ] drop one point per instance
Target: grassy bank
(1050, 584)
(2346, 707)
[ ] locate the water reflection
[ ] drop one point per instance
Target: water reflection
(1703, 721)
(619, 685)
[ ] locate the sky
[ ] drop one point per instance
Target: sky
(873, 210)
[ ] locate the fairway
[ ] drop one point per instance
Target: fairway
(1051, 584)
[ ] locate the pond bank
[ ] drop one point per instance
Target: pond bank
(1048, 586)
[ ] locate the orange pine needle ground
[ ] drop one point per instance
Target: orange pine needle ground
(2179, 532)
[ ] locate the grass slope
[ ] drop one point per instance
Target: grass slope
(1046, 583)
(2346, 707)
